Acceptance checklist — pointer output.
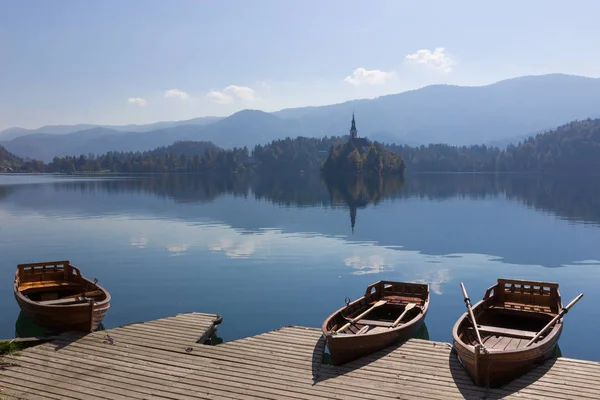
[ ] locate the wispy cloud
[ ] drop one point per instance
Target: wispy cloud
(438, 59)
(231, 94)
(373, 264)
(435, 279)
(177, 249)
(138, 101)
(176, 93)
(242, 248)
(362, 76)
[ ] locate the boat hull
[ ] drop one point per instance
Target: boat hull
(344, 349)
(497, 369)
(65, 318)
(59, 278)
(508, 318)
(371, 329)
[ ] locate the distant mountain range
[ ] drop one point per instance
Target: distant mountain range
(12, 133)
(497, 114)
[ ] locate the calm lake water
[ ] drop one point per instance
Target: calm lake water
(265, 253)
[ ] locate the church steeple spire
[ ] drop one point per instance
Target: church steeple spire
(353, 131)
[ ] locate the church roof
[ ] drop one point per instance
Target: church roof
(361, 142)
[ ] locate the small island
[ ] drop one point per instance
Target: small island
(359, 156)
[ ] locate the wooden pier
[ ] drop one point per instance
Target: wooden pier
(162, 359)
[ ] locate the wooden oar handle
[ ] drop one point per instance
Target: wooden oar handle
(465, 295)
(572, 303)
(471, 315)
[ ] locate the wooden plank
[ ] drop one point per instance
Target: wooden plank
(506, 332)
(501, 344)
(13, 388)
(166, 333)
(140, 383)
(148, 360)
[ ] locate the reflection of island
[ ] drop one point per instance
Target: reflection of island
(358, 192)
(572, 198)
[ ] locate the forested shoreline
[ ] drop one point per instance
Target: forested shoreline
(571, 148)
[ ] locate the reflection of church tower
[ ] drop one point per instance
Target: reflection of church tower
(353, 131)
(353, 216)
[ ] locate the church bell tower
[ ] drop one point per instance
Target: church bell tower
(353, 131)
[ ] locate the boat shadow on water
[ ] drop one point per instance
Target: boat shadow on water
(469, 390)
(323, 369)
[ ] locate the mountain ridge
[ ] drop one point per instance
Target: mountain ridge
(499, 113)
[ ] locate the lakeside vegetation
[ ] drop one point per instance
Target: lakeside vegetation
(571, 148)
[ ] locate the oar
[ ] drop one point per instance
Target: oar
(560, 314)
(468, 304)
(408, 307)
(379, 303)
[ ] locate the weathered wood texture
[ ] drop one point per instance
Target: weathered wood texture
(150, 361)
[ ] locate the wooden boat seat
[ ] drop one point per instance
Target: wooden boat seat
(46, 284)
(495, 330)
(523, 307)
(402, 300)
(63, 302)
(373, 322)
(378, 329)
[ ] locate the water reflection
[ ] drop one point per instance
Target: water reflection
(572, 198)
(184, 237)
(358, 192)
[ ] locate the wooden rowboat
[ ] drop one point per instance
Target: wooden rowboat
(508, 318)
(389, 312)
(57, 297)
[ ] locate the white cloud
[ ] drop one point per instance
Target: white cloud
(435, 279)
(438, 59)
(139, 242)
(176, 93)
(242, 247)
(177, 249)
(232, 93)
(138, 101)
(362, 76)
(373, 264)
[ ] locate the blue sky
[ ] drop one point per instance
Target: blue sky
(119, 62)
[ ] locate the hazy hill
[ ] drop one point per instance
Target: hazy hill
(499, 114)
(461, 115)
(184, 148)
(248, 128)
(7, 159)
(44, 146)
(11, 133)
(570, 148)
(244, 128)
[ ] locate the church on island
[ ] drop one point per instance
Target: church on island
(362, 144)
